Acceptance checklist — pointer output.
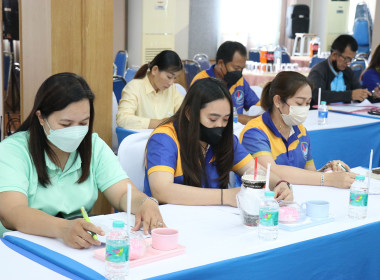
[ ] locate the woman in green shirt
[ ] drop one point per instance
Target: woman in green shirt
(54, 164)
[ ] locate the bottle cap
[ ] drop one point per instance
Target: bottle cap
(118, 224)
(269, 193)
(323, 102)
(360, 177)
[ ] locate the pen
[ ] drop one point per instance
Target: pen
(85, 217)
(342, 166)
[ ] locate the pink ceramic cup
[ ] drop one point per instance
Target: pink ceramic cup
(164, 239)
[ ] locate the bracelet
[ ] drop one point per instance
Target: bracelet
(286, 182)
(323, 179)
(221, 196)
(150, 197)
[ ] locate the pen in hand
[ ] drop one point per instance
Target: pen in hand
(86, 218)
(342, 166)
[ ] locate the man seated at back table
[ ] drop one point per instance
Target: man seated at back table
(230, 62)
(334, 76)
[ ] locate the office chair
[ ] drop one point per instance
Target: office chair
(203, 61)
(121, 59)
(191, 68)
(118, 85)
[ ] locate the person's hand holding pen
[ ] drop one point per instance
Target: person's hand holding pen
(79, 233)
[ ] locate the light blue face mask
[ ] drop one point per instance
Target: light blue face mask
(67, 139)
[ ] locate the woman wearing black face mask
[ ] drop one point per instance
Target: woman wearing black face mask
(189, 157)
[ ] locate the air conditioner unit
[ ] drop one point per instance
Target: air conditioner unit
(336, 21)
(151, 29)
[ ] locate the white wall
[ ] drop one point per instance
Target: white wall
(119, 26)
(181, 44)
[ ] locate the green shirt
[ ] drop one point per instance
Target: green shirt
(64, 196)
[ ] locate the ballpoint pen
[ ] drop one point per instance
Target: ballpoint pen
(86, 218)
(342, 166)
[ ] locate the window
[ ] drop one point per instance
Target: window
(251, 22)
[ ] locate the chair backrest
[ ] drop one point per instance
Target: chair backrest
(203, 60)
(129, 74)
(191, 68)
(315, 60)
(121, 59)
(132, 156)
(358, 66)
(254, 55)
(362, 35)
(181, 89)
(285, 57)
(118, 85)
(121, 133)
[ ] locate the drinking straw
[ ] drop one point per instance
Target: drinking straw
(319, 97)
(254, 176)
(267, 181)
(129, 199)
(370, 168)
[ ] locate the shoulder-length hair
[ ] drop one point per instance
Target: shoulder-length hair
(55, 94)
(187, 120)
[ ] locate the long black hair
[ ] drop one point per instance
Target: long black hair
(187, 119)
(165, 61)
(55, 94)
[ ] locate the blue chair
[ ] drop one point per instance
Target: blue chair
(362, 35)
(122, 133)
(254, 55)
(285, 57)
(129, 74)
(358, 66)
(203, 61)
(315, 60)
(118, 85)
(191, 68)
(121, 62)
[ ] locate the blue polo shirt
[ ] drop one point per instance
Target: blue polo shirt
(163, 154)
(242, 94)
(261, 137)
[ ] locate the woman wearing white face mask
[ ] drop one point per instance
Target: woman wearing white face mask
(278, 136)
(54, 164)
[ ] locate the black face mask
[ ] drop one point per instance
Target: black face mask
(335, 66)
(232, 77)
(211, 135)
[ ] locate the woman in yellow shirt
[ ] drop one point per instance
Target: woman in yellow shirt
(151, 97)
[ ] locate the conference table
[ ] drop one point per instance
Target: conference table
(219, 246)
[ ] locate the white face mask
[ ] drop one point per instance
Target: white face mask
(296, 116)
(67, 139)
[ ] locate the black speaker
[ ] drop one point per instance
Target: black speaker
(297, 20)
(10, 19)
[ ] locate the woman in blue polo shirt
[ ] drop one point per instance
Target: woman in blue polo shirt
(54, 164)
(278, 136)
(190, 156)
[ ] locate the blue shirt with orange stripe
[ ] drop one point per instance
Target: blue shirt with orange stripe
(163, 154)
(261, 137)
(242, 94)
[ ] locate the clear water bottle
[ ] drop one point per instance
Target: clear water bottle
(358, 199)
(323, 112)
(277, 58)
(117, 252)
(268, 225)
(236, 116)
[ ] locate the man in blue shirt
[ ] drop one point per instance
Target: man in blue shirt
(230, 62)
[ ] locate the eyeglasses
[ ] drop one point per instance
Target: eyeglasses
(347, 59)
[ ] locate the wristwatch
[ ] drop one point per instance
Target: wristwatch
(290, 186)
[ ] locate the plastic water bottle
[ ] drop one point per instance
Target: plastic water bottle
(236, 116)
(358, 199)
(268, 225)
(323, 112)
(277, 58)
(117, 252)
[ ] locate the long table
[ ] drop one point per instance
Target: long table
(218, 246)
